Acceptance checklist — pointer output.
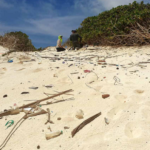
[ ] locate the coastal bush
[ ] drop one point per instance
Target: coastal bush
(17, 41)
(123, 25)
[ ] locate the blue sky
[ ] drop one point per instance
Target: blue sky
(44, 20)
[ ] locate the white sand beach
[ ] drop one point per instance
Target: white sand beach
(125, 76)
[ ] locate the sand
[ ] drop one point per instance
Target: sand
(3, 50)
(127, 109)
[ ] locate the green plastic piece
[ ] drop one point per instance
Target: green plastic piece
(9, 123)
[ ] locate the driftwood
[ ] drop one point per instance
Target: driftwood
(49, 117)
(55, 102)
(5, 113)
(38, 101)
(78, 128)
(35, 114)
(58, 101)
(143, 62)
(10, 112)
(33, 104)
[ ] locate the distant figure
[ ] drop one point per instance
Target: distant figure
(59, 47)
(74, 37)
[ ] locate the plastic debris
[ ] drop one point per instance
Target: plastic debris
(34, 88)
(9, 123)
(10, 61)
(87, 71)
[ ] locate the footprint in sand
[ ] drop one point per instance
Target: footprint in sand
(115, 113)
(137, 98)
(120, 97)
(38, 70)
(68, 119)
(108, 136)
(65, 80)
(98, 88)
(3, 70)
(133, 130)
(145, 111)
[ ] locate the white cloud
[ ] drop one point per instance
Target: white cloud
(48, 26)
(97, 6)
(56, 26)
(108, 4)
(4, 4)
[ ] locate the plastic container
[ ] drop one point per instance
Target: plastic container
(53, 135)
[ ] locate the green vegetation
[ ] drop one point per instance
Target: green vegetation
(17, 41)
(40, 49)
(123, 25)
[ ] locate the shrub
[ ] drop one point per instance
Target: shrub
(123, 25)
(18, 41)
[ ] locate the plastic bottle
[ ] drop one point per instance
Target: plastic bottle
(53, 134)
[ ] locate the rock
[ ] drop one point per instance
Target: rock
(79, 114)
(38, 147)
(5, 96)
(58, 118)
(105, 96)
(66, 127)
(78, 77)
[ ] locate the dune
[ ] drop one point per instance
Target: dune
(124, 120)
(3, 50)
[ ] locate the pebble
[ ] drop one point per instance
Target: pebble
(105, 96)
(38, 147)
(58, 118)
(66, 127)
(5, 96)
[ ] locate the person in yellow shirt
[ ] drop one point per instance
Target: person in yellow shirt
(59, 46)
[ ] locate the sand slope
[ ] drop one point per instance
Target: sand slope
(127, 109)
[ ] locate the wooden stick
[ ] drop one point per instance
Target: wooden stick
(55, 102)
(33, 104)
(143, 62)
(78, 128)
(38, 101)
(49, 117)
(35, 114)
